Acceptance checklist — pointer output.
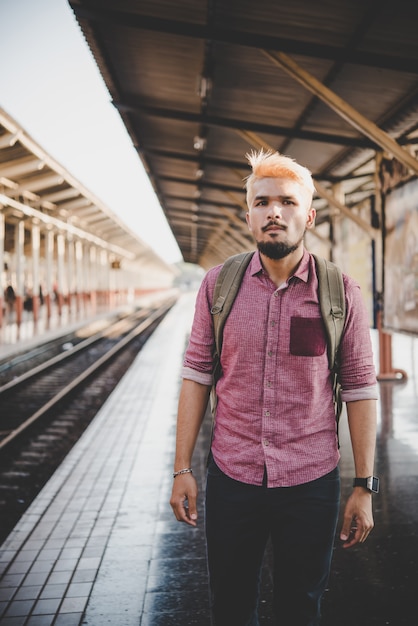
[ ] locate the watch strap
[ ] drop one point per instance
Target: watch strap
(371, 483)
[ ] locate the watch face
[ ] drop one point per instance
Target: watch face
(373, 484)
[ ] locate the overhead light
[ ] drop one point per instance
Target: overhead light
(204, 87)
(199, 143)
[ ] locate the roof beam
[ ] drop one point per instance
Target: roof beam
(8, 140)
(41, 181)
(63, 226)
(21, 167)
(343, 109)
(60, 196)
(201, 183)
(79, 203)
(227, 35)
(235, 124)
(195, 157)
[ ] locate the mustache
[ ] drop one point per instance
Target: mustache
(273, 223)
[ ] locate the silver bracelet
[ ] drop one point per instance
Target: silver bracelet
(188, 470)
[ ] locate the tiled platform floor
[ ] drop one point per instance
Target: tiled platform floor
(101, 546)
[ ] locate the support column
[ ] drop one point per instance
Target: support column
(85, 270)
(93, 278)
(104, 277)
(20, 276)
(49, 257)
(78, 249)
(386, 370)
(3, 284)
(60, 272)
(36, 244)
(70, 272)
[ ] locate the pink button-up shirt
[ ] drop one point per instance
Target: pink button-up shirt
(275, 405)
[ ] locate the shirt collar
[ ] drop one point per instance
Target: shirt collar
(302, 271)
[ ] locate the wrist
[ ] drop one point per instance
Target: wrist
(370, 483)
(180, 472)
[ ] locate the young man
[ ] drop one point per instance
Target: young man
(273, 467)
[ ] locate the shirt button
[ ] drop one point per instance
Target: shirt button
(276, 294)
(273, 323)
(268, 383)
(267, 413)
(269, 353)
(265, 442)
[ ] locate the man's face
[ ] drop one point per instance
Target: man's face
(280, 211)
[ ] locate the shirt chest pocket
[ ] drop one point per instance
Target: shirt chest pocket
(307, 336)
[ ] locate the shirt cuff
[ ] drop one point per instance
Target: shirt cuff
(197, 377)
(364, 393)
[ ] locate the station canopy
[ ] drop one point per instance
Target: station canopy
(199, 83)
(37, 189)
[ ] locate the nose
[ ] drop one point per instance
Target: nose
(275, 210)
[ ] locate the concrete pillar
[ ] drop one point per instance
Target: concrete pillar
(49, 260)
(93, 277)
(70, 272)
(61, 285)
(36, 244)
(79, 283)
(3, 284)
(104, 276)
(386, 369)
(20, 268)
(85, 270)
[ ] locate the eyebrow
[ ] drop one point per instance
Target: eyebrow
(266, 197)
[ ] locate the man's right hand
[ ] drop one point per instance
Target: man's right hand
(184, 499)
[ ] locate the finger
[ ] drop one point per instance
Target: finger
(350, 534)
(366, 532)
(182, 512)
(192, 509)
(189, 515)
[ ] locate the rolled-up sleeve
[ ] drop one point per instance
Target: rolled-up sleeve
(357, 372)
(198, 359)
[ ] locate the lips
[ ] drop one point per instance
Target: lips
(273, 227)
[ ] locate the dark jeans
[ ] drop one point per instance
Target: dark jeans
(301, 522)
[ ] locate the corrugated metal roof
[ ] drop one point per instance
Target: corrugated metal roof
(200, 82)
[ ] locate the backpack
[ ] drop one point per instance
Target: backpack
(331, 300)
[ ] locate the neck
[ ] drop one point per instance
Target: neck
(280, 270)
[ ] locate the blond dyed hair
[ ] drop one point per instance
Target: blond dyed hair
(269, 164)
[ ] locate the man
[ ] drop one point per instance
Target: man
(273, 466)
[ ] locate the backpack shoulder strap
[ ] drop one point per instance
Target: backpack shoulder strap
(332, 303)
(226, 289)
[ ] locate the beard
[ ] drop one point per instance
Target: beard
(276, 249)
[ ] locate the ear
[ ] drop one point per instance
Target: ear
(248, 220)
(310, 218)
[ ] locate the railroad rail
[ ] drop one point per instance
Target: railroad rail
(46, 409)
(27, 398)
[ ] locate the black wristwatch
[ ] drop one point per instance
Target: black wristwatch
(371, 483)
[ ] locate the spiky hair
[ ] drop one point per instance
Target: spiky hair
(269, 164)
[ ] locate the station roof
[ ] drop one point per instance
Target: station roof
(199, 83)
(35, 187)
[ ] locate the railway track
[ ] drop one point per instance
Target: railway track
(45, 409)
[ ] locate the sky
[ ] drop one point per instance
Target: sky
(51, 86)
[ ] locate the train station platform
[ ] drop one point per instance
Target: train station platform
(100, 545)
